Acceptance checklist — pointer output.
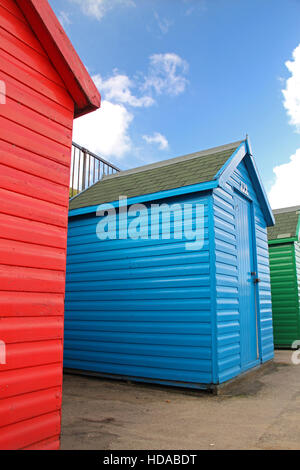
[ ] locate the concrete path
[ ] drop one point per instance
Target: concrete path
(260, 411)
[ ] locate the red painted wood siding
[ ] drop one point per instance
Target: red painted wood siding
(35, 148)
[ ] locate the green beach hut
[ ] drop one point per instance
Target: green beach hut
(284, 249)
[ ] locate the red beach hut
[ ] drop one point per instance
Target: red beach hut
(43, 87)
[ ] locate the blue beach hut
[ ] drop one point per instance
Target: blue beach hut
(168, 272)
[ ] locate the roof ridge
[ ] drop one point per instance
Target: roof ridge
(171, 161)
(285, 210)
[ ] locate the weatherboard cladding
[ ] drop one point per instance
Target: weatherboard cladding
(34, 205)
(154, 316)
(35, 148)
(153, 311)
(285, 276)
(227, 285)
(184, 171)
(297, 260)
(285, 294)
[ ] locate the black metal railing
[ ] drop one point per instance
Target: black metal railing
(87, 168)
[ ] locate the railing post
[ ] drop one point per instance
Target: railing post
(83, 171)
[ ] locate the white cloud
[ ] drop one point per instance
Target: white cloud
(105, 131)
(64, 19)
(163, 23)
(158, 139)
(98, 8)
(285, 192)
(200, 5)
(292, 91)
(118, 88)
(166, 74)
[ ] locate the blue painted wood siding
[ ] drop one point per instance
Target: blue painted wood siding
(227, 308)
(138, 308)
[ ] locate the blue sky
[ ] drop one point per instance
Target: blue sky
(177, 76)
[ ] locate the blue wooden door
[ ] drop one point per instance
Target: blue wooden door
(247, 305)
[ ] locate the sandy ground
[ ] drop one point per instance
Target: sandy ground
(259, 411)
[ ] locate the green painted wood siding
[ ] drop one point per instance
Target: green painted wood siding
(285, 292)
(297, 259)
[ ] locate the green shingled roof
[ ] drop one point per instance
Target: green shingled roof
(286, 223)
(190, 169)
